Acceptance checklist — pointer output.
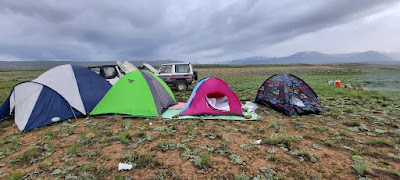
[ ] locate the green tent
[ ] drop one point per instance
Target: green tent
(138, 93)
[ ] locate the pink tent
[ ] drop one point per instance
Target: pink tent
(212, 96)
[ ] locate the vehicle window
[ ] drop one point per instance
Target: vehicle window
(96, 70)
(182, 68)
(166, 69)
(110, 72)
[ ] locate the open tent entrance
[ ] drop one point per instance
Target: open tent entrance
(296, 101)
(218, 102)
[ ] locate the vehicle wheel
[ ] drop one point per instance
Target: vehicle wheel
(181, 86)
(196, 75)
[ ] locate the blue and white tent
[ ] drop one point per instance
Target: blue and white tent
(60, 93)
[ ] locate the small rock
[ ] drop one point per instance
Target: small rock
(176, 116)
(159, 118)
(90, 135)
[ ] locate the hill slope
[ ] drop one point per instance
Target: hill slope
(315, 57)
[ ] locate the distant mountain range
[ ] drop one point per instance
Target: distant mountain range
(315, 57)
(39, 65)
(394, 55)
(307, 57)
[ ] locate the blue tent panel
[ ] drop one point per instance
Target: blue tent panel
(189, 102)
(87, 80)
(49, 105)
(5, 109)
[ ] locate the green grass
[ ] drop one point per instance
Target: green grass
(276, 126)
(73, 149)
(397, 140)
(317, 128)
(376, 108)
(361, 168)
(127, 124)
(15, 176)
(29, 154)
(123, 138)
(355, 123)
(378, 142)
(279, 139)
(203, 161)
(145, 160)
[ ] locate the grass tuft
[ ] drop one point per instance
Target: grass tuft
(29, 154)
(73, 149)
(378, 142)
(15, 176)
(280, 139)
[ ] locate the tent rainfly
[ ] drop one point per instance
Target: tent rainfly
(139, 94)
(60, 93)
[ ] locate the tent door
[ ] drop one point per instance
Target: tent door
(218, 101)
(297, 101)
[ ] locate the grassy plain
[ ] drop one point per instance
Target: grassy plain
(357, 137)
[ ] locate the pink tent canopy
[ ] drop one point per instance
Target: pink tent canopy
(212, 96)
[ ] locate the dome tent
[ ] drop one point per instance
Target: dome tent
(138, 93)
(212, 96)
(60, 93)
(288, 94)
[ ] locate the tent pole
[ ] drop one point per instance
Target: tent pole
(73, 113)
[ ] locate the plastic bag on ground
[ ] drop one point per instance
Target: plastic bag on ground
(250, 106)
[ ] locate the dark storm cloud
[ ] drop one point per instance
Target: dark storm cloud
(107, 30)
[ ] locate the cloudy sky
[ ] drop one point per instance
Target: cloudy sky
(205, 31)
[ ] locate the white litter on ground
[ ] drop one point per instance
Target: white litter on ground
(123, 166)
(258, 141)
(250, 106)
